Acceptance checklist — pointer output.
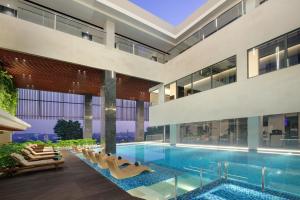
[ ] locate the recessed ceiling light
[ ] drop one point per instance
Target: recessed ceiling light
(8, 5)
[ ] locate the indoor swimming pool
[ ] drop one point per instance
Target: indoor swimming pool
(180, 170)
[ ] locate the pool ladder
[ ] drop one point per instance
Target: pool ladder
(263, 172)
(226, 174)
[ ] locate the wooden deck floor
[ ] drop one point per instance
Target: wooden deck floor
(75, 180)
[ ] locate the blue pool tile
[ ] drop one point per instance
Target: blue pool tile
(144, 179)
(233, 190)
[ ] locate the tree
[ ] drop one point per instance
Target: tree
(68, 130)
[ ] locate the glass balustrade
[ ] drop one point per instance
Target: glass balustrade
(51, 19)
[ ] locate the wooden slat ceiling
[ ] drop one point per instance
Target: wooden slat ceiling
(30, 71)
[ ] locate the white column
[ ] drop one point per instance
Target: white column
(161, 94)
(174, 134)
(110, 34)
(254, 130)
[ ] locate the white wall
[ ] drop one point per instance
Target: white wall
(23, 36)
(266, 22)
(272, 93)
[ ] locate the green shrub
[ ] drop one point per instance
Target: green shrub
(67, 130)
(8, 93)
(5, 150)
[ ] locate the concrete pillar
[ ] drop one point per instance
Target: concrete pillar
(88, 117)
(174, 134)
(102, 115)
(110, 112)
(254, 131)
(110, 34)
(139, 123)
(161, 94)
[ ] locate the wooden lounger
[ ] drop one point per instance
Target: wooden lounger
(126, 172)
(101, 160)
(24, 165)
(41, 153)
(40, 148)
(91, 155)
(32, 157)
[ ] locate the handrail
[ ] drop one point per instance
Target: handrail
(36, 15)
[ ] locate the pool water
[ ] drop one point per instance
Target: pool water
(282, 172)
(228, 190)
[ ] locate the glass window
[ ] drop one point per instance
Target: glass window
(267, 57)
(170, 92)
(202, 80)
(184, 86)
(293, 45)
(280, 131)
(224, 72)
(154, 95)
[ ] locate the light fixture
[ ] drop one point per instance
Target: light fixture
(254, 51)
(112, 74)
(16, 59)
(24, 60)
(277, 57)
(8, 5)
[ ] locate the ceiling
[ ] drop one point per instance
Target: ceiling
(34, 72)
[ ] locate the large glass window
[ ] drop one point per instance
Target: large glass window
(280, 131)
(224, 72)
(293, 45)
(274, 55)
(225, 132)
(170, 92)
(202, 80)
(184, 86)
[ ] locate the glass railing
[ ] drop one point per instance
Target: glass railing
(60, 22)
(282, 180)
(218, 23)
(53, 20)
(138, 49)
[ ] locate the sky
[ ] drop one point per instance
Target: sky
(172, 11)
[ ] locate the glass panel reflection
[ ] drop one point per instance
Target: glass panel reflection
(154, 95)
(170, 92)
(231, 132)
(280, 131)
(202, 80)
(293, 45)
(184, 86)
(224, 72)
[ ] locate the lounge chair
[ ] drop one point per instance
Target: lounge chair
(32, 157)
(101, 160)
(77, 149)
(126, 172)
(85, 154)
(40, 148)
(24, 165)
(41, 153)
(91, 155)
